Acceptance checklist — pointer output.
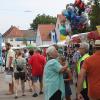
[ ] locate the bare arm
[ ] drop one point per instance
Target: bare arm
(63, 69)
(81, 77)
(10, 61)
(69, 75)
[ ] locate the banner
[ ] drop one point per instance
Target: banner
(53, 37)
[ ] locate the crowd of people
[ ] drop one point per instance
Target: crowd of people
(24, 65)
(55, 71)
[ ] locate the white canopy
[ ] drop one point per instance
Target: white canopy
(62, 43)
(15, 48)
(43, 46)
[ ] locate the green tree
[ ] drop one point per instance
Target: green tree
(95, 15)
(42, 19)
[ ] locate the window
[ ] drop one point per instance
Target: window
(11, 39)
(18, 45)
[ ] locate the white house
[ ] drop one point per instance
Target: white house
(19, 38)
(44, 34)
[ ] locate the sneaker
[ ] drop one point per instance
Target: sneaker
(16, 97)
(35, 95)
(41, 92)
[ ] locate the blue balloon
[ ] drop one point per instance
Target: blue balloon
(77, 18)
(83, 19)
(66, 14)
(72, 16)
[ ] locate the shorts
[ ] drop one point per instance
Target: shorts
(19, 75)
(36, 78)
(68, 91)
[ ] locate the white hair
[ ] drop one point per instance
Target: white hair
(84, 45)
(50, 50)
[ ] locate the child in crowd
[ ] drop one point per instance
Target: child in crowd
(67, 78)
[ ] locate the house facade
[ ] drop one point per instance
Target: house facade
(19, 38)
(44, 34)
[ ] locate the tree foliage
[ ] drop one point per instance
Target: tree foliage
(95, 15)
(42, 19)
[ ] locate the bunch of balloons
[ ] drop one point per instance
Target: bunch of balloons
(65, 29)
(76, 17)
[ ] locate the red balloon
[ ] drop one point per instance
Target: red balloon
(77, 2)
(82, 6)
(76, 39)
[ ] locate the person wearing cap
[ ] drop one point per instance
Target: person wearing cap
(37, 61)
(83, 49)
(91, 69)
(53, 76)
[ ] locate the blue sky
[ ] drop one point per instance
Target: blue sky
(21, 12)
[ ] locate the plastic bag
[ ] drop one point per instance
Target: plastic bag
(8, 78)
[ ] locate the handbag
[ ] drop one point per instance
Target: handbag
(8, 78)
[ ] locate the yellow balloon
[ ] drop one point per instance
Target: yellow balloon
(62, 37)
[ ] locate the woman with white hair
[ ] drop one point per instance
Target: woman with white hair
(53, 76)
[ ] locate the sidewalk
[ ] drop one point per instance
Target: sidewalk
(4, 88)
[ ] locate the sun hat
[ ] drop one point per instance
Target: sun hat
(97, 43)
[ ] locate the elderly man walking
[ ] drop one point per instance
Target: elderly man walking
(91, 69)
(84, 48)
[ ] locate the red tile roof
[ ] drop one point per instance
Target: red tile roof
(45, 29)
(28, 33)
(13, 32)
